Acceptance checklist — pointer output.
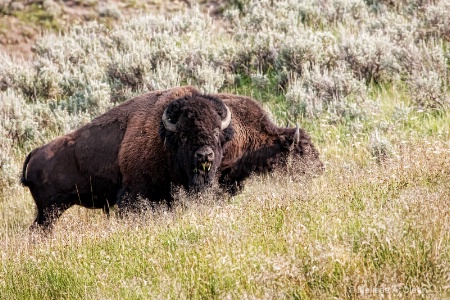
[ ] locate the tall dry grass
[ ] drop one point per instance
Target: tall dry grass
(378, 230)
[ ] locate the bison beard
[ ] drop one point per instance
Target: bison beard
(200, 180)
(196, 173)
(203, 169)
(148, 144)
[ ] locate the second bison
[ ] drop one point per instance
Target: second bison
(152, 142)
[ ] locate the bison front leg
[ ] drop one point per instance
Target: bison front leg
(136, 201)
(129, 202)
(231, 184)
(105, 209)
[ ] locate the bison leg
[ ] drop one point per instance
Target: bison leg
(106, 209)
(231, 185)
(132, 202)
(123, 202)
(47, 216)
(127, 202)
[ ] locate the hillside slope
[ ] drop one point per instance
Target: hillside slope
(368, 80)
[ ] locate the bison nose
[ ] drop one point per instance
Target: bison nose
(204, 154)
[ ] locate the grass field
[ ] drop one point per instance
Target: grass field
(369, 80)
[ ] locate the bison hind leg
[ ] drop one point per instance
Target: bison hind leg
(42, 225)
(47, 216)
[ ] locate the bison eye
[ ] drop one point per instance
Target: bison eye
(216, 133)
(183, 137)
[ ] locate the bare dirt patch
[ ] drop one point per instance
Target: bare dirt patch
(23, 21)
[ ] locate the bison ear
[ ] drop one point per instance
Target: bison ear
(228, 134)
(291, 139)
(285, 141)
(173, 112)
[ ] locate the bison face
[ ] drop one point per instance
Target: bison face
(194, 130)
(299, 146)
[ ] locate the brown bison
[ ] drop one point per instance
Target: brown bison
(152, 142)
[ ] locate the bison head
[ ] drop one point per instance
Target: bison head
(303, 150)
(194, 130)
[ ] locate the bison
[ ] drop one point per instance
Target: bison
(150, 143)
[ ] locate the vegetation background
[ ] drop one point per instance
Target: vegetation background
(368, 79)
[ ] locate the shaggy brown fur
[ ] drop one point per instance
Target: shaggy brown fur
(259, 145)
(128, 151)
(86, 167)
(152, 158)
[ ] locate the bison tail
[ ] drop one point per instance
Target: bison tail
(23, 179)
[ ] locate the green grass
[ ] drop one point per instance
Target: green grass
(36, 15)
(364, 225)
(358, 226)
(361, 225)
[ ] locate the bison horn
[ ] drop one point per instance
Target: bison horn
(167, 124)
(227, 120)
(297, 135)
